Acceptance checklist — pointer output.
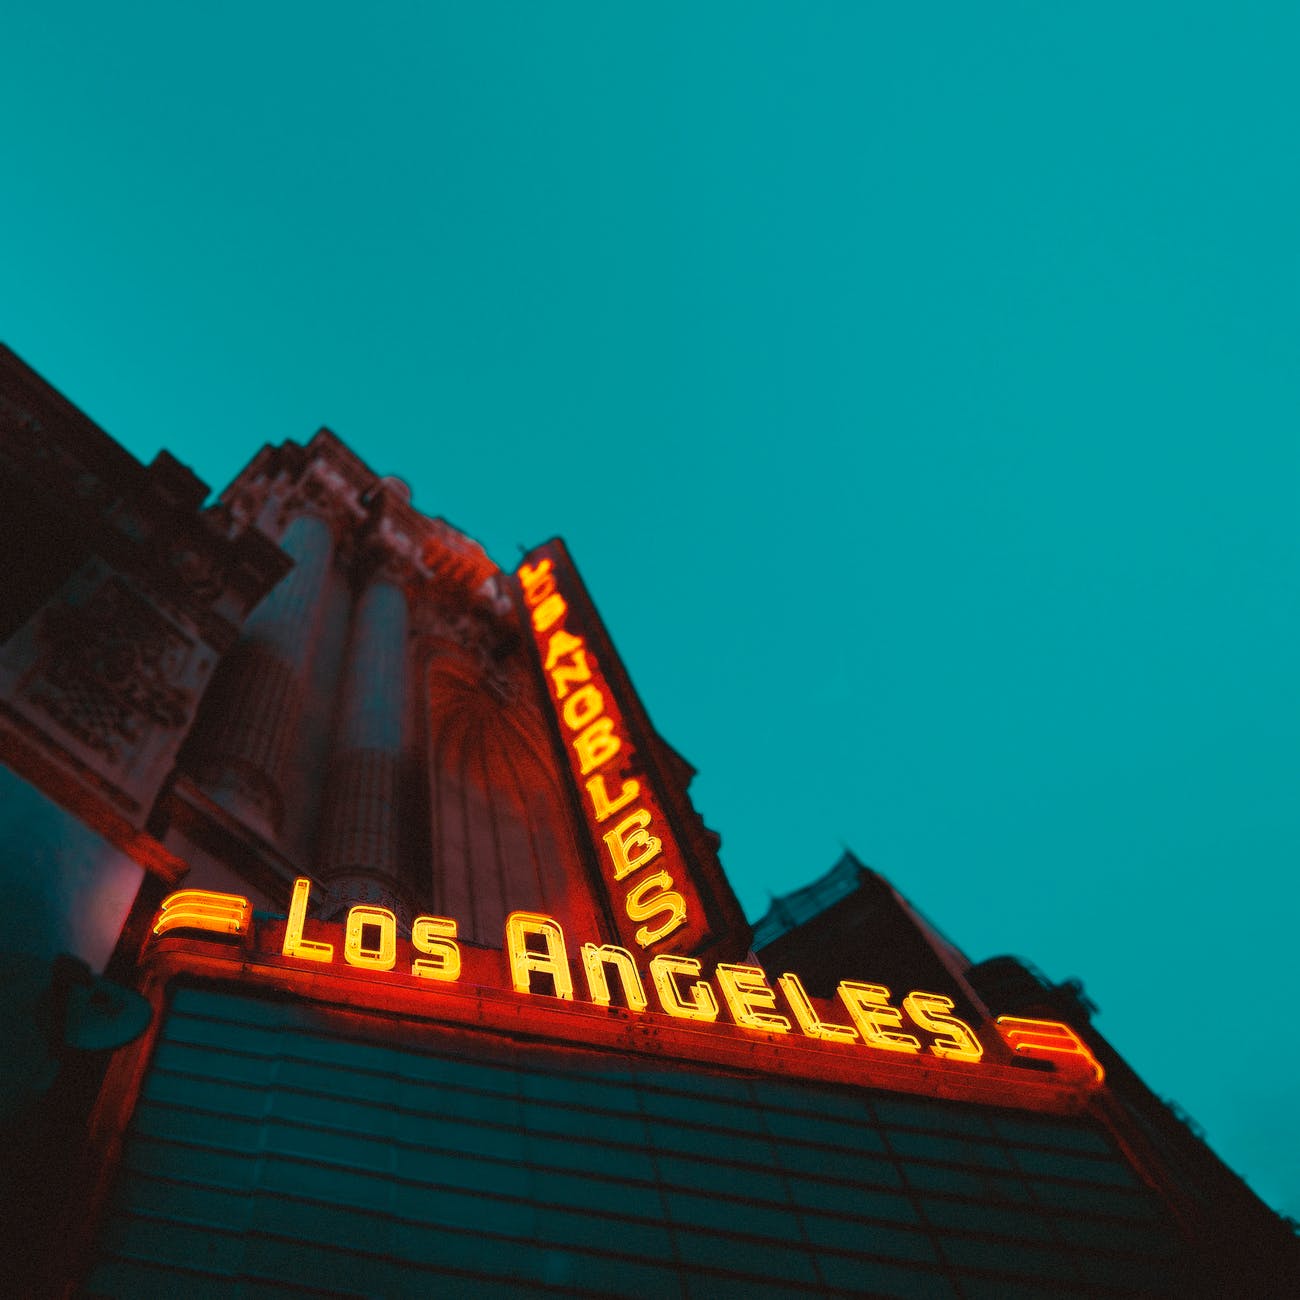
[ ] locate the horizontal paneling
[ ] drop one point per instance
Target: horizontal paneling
(272, 1149)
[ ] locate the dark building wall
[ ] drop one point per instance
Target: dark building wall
(852, 918)
(274, 1147)
(123, 597)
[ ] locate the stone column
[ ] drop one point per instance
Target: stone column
(359, 853)
(253, 712)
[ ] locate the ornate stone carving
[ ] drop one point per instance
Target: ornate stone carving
(110, 669)
(347, 891)
(386, 555)
(323, 491)
(202, 575)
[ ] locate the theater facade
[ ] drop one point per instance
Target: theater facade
(364, 941)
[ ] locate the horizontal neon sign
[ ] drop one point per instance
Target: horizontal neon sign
(921, 1024)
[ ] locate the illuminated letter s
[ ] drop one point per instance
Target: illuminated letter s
(639, 907)
(435, 937)
(931, 1011)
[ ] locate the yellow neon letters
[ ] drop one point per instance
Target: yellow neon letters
(520, 926)
(868, 1004)
(750, 998)
(602, 805)
(648, 898)
(577, 671)
(582, 707)
(956, 1041)
(588, 710)
(809, 1021)
(539, 963)
(701, 1004)
(433, 936)
(594, 961)
(381, 952)
(549, 612)
(294, 944)
(538, 581)
(630, 845)
(560, 644)
(596, 746)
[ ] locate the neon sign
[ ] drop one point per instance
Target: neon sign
(642, 865)
(202, 909)
(539, 964)
(1049, 1040)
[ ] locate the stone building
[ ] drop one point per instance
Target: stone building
(366, 941)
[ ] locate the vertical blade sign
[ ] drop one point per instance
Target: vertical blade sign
(642, 865)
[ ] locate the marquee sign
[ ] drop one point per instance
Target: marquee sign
(657, 893)
(865, 1020)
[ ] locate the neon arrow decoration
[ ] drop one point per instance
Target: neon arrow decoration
(1049, 1040)
(203, 909)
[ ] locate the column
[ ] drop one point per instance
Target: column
(252, 712)
(359, 853)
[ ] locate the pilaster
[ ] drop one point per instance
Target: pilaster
(360, 851)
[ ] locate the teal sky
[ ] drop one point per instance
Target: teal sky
(916, 390)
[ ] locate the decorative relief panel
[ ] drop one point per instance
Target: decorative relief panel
(109, 670)
(324, 491)
(202, 575)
